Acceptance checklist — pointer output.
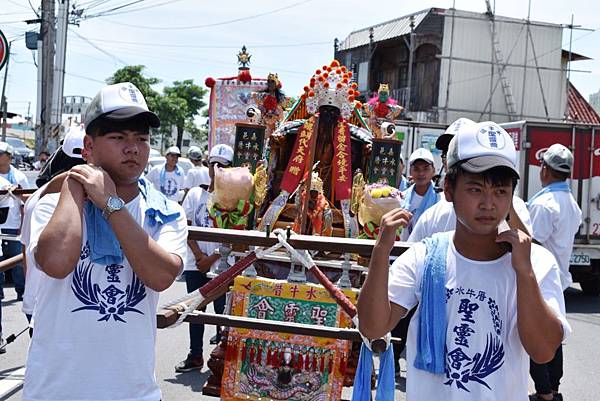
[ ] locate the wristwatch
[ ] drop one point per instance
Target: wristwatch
(113, 204)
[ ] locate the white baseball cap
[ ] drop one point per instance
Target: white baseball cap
(73, 142)
(203, 176)
(221, 153)
(559, 158)
(480, 147)
(443, 140)
(173, 150)
(6, 148)
(420, 154)
(194, 153)
(119, 102)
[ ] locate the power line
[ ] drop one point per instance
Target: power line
(149, 44)
(100, 13)
(99, 48)
(109, 13)
(179, 28)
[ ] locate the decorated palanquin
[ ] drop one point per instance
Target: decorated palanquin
(323, 136)
(230, 98)
(264, 365)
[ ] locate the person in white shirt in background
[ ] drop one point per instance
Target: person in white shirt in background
(421, 195)
(196, 174)
(6, 202)
(12, 225)
(403, 184)
(488, 299)
(169, 177)
(41, 161)
(202, 256)
(441, 216)
(71, 149)
(555, 217)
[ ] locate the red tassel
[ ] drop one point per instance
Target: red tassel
(259, 356)
(343, 366)
(322, 366)
(281, 358)
(252, 353)
(299, 362)
(314, 363)
(269, 356)
(307, 362)
(330, 366)
(244, 351)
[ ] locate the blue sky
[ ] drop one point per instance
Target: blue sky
(289, 37)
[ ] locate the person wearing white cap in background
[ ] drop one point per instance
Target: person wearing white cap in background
(68, 155)
(421, 195)
(201, 255)
(195, 175)
(488, 299)
(169, 177)
(556, 218)
(6, 202)
(441, 216)
(108, 248)
(13, 222)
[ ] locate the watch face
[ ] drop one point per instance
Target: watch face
(115, 203)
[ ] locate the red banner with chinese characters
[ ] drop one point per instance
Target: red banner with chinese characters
(298, 160)
(342, 161)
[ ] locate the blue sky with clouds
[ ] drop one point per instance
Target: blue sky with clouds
(195, 39)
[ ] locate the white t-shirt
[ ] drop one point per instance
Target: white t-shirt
(441, 218)
(34, 274)
(196, 210)
(14, 215)
(95, 330)
(485, 358)
(556, 218)
(192, 179)
(415, 202)
(173, 185)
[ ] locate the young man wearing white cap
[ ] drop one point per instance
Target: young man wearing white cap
(556, 218)
(12, 225)
(421, 195)
(107, 249)
(195, 175)
(483, 309)
(441, 216)
(169, 177)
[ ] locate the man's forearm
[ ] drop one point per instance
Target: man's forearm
(153, 265)
(59, 245)
(374, 311)
(540, 330)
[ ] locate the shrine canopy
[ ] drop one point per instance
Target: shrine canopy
(229, 99)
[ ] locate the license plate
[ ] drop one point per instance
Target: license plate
(580, 259)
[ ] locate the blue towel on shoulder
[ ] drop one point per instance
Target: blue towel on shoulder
(385, 381)
(431, 339)
(104, 246)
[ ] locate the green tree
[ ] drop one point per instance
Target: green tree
(169, 109)
(192, 96)
(135, 75)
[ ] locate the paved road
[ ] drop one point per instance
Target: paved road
(582, 352)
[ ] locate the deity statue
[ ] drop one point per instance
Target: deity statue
(270, 102)
(380, 109)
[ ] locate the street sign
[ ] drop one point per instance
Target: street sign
(3, 50)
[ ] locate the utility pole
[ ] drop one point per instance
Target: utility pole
(3, 104)
(59, 67)
(47, 65)
(411, 52)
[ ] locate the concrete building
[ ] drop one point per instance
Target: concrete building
(442, 64)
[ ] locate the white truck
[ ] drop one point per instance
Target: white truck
(531, 140)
